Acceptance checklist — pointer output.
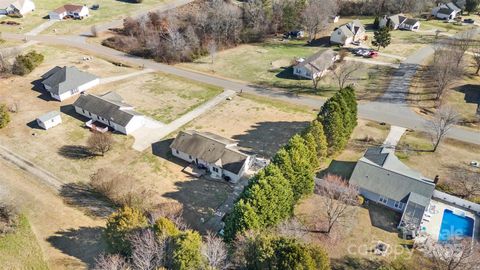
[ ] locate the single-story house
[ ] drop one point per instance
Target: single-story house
(49, 120)
(447, 11)
(109, 109)
(74, 11)
(64, 82)
(381, 177)
(348, 33)
(316, 65)
(16, 7)
(399, 21)
(217, 155)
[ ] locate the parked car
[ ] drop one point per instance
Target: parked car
(361, 51)
(371, 54)
(471, 21)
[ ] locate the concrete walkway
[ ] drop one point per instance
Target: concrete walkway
(394, 137)
(37, 30)
(125, 76)
(149, 134)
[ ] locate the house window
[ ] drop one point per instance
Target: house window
(176, 151)
(190, 157)
(383, 200)
(398, 205)
(215, 169)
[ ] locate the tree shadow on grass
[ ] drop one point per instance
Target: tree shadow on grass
(355, 263)
(84, 243)
(83, 196)
(340, 168)
(75, 152)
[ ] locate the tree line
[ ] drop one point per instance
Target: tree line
(136, 241)
(273, 192)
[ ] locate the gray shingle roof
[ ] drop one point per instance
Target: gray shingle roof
(320, 61)
(381, 172)
(64, 79)
(112, 110)
(48, 116)
(210, 148)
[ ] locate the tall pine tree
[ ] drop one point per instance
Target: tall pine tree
(316, 129)
(333, 126)
(303, 182)
(312, 147)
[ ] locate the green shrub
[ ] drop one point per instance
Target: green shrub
(4, 116)
(187, 253)
(164, 227)
(26, 63)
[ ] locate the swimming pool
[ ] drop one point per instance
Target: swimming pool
(455, 225)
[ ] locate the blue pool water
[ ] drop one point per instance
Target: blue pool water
(455, 225)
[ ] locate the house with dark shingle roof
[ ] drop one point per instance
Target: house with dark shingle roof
(64, 82)
(316, 65)
(348, 33)
(218, 155)
(400, 21)
(382, 178)
(110, 110)
(447, 11)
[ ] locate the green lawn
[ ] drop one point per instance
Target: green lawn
(20, 250)
(109, 10)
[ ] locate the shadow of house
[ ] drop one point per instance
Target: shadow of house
(70, 110)
(84, 243)
(200, 199)
(37, 86)
(34, 125)
(472, 94)
(340, 168)
(91, 202)
(265, 138)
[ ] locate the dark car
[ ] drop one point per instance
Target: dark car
(471, 21)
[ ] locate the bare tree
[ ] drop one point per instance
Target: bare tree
(111, 262)
(100, 142)
(444, 72)
(443, 120)
(338, 197)
(344, 72)
(476, 57)
(293, 228)
(455, 254)
(255, 20)
(147, 250)
(171, 210)
(459, 45)
(316, 16)
(215, 252)
(212, 51)
(466, 183)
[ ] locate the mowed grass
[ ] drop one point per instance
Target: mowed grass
(109, 10)
(20, 250)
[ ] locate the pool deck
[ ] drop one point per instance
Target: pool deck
(432, 220)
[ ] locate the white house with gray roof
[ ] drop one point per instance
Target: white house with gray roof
(49, 120)
(218, 155)
(348, 33)
(316, 65)
(401, 22)
(110, 109)
(17, 7)
(381, 177)
(64, 82)
(447, 11)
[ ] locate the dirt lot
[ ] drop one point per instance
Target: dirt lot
(450, 155)
(161, 96)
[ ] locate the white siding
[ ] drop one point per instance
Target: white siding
(135, 123)
(50, 123)
(56, 16)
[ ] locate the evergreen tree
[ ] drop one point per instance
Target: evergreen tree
(381, 38)
(312, 147)
(284, 163)
(376, 23)
(316, 129)
(242, 218)
(303, 182)
(119, 225)
(349, 96)
(345, 113)
(187, 254)
(333, 127)
(4, 116)
(164, 227)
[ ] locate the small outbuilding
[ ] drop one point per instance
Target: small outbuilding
(316, 65)
(49, 120)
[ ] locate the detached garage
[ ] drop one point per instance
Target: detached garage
(49, 120)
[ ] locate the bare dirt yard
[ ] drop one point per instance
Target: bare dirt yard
(67, 237)
(161, 96)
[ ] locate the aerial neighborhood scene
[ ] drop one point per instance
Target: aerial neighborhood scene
(240, 134)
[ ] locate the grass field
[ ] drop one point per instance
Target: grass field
(20, 250)
(109, 10)
(162, 96)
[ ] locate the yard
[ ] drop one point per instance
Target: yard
(269, 64)
(20, 250)
(161, 96)
(109, 10)
(451, 154)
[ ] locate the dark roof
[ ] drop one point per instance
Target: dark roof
(64, 79)
(410, 21)
(445, 11)
(381, 172)
(112, 110)
(68, 8)
(472, 96)
(319, 61)
(210, 148)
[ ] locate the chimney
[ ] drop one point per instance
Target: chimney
(435, 180)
